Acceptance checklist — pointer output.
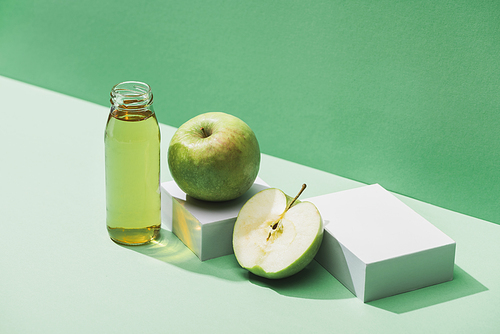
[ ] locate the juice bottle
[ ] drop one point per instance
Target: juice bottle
(132, 147)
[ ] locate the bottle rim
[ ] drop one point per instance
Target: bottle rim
(131, 94)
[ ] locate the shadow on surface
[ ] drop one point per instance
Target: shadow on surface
(313, 282)
(169, 249)
(462, 285)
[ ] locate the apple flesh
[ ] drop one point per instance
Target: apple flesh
(214, 157)
(276, 236)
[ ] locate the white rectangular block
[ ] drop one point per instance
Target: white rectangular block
(205, 227)
(377, 246)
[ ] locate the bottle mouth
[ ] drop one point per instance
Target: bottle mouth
(131, 94)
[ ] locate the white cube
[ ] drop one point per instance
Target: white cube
(377, 246)
(205, 227)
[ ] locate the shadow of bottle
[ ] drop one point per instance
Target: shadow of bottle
(169, 249)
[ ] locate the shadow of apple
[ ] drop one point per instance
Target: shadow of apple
(312, 282)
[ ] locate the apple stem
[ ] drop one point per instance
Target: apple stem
(205, 135)
(275, 226)
(300, 193)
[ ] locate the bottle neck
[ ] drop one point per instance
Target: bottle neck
(131, 100)
(131, 95)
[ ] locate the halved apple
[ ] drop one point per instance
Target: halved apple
(276, 236)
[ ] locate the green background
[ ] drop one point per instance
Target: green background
(401, 93)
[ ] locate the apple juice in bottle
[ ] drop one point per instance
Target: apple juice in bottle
(132, 155)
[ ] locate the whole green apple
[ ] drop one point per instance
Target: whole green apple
(214, 157)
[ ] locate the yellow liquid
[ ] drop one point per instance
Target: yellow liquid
(133, 208)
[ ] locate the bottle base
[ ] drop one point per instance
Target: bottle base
(134, 236)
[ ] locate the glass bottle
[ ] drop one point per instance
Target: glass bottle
(132, 146)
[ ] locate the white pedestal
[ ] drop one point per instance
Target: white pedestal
(205, 227)
(377, 246)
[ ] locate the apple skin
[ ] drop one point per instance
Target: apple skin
(214, 157)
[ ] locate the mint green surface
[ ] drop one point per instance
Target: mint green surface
(60, 272)
(401, 93)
